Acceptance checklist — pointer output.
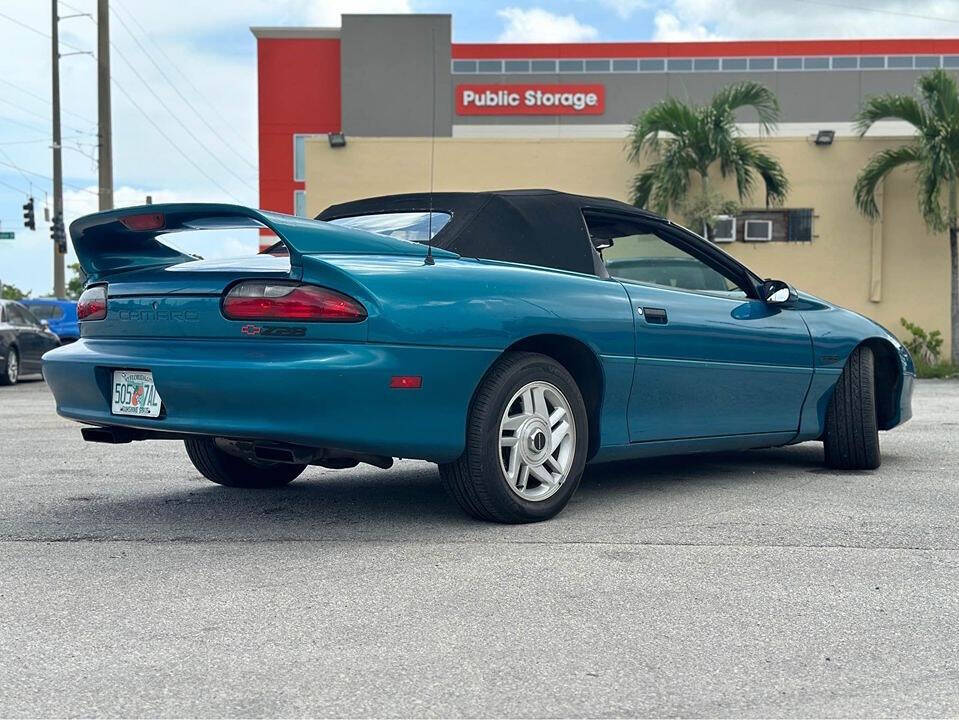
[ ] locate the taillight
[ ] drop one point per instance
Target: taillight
(266, 300)
(92, 304)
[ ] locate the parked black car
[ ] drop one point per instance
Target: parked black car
(23, 340)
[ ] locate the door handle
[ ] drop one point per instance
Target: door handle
(655, 316)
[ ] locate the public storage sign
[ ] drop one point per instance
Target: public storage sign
(540, 99)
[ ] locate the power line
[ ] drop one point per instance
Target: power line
(879, 10)
(31, 126)
(10, 159)
(14, 187)
(39, 32)
(47, 177)
(77, 10)
(183, 97)
(21, 108)
(169, 140)
(177, 119)
(46, 101)
(36, 140)
(186, 78)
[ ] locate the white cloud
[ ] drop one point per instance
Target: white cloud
(77, 203)
(783, 19)
(625, 8)
(670, 28)
(326, 13)
(538, 25)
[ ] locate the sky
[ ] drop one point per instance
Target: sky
(184, 92)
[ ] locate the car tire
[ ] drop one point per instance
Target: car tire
(232, 471)
(11, 372)
(520, 407)
(851, 439)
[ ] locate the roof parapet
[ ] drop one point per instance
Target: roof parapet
(288, 32)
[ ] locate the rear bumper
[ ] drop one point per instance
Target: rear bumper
(317, 394)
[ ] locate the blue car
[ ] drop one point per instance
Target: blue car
(511, 337)
(61, 316)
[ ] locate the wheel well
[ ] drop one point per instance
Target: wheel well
(580, 362)
(888, 376)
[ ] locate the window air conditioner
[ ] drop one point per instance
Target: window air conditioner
(758, 230)
(724, 229)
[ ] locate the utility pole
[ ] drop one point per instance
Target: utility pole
(59, 288)
(105, 156)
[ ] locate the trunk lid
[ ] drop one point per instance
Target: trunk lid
(156, 291)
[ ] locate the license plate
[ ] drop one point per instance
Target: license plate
(135, 394)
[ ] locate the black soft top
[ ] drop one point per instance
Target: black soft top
(534, 227)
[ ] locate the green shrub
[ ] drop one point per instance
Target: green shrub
(939, 370)
(924, 347)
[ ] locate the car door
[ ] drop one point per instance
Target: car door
(46, 339)
(27, 337)
(711, 358)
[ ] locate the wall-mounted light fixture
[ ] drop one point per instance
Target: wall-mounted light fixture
(825, 137)
(337, 140)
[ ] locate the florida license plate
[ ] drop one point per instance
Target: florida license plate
(135, 394)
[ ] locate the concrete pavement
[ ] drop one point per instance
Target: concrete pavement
(751, 584)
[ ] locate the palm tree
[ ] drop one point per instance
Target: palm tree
(698, 137)
(934, 153)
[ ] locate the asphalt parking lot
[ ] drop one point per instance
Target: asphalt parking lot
(755, 584)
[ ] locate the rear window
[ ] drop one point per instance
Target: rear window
(46, 312)
(413, 226)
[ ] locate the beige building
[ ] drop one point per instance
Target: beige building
(348, 112)
(889, 269)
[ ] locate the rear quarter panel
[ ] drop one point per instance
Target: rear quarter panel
(485, 305)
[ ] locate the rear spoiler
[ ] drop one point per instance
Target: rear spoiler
(127, 239)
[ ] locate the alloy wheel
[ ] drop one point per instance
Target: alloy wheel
(537, 441)
(13, 367)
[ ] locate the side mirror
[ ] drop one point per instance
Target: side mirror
(776, 292)
(45, 324)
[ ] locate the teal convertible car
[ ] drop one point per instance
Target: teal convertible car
(511, 337)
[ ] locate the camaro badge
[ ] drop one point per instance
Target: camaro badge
(273, 331)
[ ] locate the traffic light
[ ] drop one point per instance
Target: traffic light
(58, 234)
(29, 219)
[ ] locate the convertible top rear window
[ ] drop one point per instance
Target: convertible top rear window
(412, 226)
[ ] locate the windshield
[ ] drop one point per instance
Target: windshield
(412, 226)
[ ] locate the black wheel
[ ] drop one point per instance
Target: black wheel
(526, 441)
(12, 368)
(232, 471)
(852, 433)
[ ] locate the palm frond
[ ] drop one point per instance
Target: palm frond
(676, 164)
(641, 188)
(667, 116)
(664, 183)
(734, 161)
(889, 107)
(753, 158)
(930, 192)
(880, 165)
(751, 94)
(941, 96)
